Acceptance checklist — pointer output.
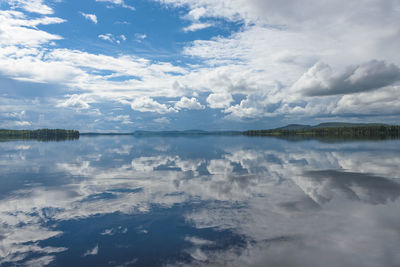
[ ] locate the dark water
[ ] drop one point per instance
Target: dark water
(199, 201)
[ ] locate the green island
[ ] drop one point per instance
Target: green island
(40, 134)
(332, 130)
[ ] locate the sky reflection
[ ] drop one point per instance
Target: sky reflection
(237, 201)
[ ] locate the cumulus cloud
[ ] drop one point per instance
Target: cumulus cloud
(118, 3)
(277, 43)
(219, 100)
(283, 52)
(298, 14)
(33, 6)
(188, 103)
(194, 16)
(320, 80)
(147, 104)
(123, 119)
(183, 179)
(91, 17)
(18, 30)
(82, 70)
(75, 101)
(254, 106)
(383, 101)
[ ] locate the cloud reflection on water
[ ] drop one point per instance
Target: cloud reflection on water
(314, 202)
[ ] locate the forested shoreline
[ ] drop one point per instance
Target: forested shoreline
(40, 134)
(379, 131)
(347, 132)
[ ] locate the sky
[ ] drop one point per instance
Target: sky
(126, 65)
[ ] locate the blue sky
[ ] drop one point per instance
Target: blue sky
(115, 65)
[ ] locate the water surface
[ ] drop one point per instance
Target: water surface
(199, 201)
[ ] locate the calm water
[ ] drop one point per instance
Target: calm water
(199, 201)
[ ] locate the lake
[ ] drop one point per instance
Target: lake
(199, 201)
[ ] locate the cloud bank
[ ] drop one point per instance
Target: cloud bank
(319, 79)
(286, 61)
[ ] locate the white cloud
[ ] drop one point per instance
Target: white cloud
(140, 37)
(107, 37)
(162, 120)
(74, 101)
(197, 26)
(76, 69)
(19, 115)
(23, 123)
(384, 101)
(91, 17)
(41, 261)
(123, 22)
(111, 38)
(197, 241)
(320, 79)
(33, 6)
(123, 119)
(108, 232)
(296, 14)
(147, 104)
(194, 16)
(18, 30)
(254, 106)
(273, 177)
(188, 103)
(279, 43)
(219, 100)
(92, 252)
(196, 13)
(119, 3)
(113, 231)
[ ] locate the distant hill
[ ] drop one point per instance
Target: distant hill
(326, 125)
(294, 127)
(345, 124)
(169, 132)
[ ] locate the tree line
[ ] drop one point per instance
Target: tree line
(40, 134)
(379, 131)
